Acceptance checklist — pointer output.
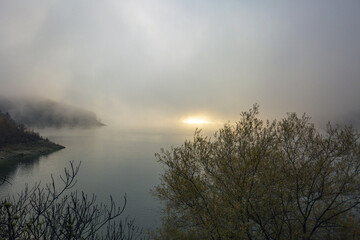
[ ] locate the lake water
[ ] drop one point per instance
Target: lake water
(113, 162)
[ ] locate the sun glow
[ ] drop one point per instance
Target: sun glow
(196, 121)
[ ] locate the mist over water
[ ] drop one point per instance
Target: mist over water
(144, 67)
(145, 64)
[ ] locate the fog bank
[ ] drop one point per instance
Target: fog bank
(151, 63)
(43, 113)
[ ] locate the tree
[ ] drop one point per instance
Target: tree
(262, 180)
(51, 213)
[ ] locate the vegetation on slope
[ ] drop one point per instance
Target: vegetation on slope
(18, 141)
(11, 132)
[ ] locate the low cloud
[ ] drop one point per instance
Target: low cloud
(142, 62)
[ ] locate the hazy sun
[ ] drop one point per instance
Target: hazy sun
(196, 121)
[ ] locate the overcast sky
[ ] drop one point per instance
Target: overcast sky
(156, 61)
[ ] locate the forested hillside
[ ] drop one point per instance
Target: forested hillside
(11, 132)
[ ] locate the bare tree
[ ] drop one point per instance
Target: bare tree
(50, 212)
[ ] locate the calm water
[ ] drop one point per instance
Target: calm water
(113, 162)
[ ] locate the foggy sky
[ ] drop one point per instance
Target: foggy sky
(150, 63)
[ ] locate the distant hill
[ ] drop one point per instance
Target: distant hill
(43, 113)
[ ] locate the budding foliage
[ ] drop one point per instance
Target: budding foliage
(261, 180)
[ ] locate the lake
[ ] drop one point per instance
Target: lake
(113, 162)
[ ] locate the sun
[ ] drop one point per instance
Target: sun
(194, 120)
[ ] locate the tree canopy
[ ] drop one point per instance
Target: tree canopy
(263, 180)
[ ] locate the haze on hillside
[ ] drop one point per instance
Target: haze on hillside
(147, 64)
(44, 113)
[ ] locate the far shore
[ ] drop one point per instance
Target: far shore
(28, 150)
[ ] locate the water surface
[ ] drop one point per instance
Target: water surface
(113, 162)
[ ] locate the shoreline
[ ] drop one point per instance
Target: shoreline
(28, 150)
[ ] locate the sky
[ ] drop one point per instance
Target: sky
(153, 63)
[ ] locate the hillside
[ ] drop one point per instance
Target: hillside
(16, 141)
(11, 132)
(43, 113)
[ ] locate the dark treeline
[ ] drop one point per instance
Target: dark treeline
(11, 132)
